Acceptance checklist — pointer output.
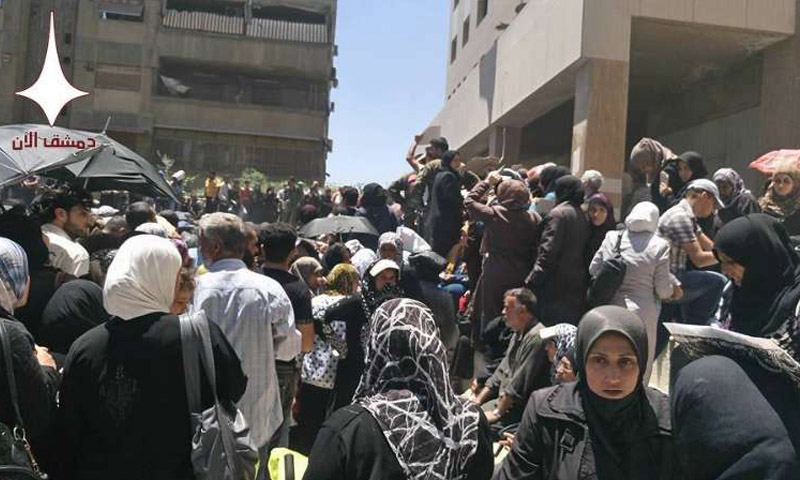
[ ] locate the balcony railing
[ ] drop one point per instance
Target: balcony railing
(257, 28)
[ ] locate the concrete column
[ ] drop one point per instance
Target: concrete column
(511, 137)
(599, 122)
(780, 94)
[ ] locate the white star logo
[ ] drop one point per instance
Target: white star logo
(52, 91)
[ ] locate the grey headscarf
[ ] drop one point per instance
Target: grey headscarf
(304, 267)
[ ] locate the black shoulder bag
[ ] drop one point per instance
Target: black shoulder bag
(608, 280)
(16, 458)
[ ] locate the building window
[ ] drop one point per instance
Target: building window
(118, 78)
(483, 9)
(453, 49)
(127, 10)
(184, 80)
(465, 32)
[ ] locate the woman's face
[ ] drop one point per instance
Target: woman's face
(385, 278)
(551, 349)
(316, 280)
(731, 269)
(684, 171)
(783, 184)
(564, 371)
(597, 214)
(725, 189)
(388, 251)
(612, 368)
(181, 302)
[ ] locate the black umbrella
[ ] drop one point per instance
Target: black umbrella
(27, 150)
(116, 167)
(337, 225)
(90, 160)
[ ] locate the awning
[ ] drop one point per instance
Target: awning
(130, 8)
(313, 6)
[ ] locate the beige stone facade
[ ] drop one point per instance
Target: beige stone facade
(217, 85)
(580, 81)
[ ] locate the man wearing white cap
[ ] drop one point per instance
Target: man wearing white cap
(698, 291)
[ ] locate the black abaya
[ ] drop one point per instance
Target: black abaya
(726, 428)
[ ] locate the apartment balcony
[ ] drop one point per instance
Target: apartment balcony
(203, 115)
(228, 40)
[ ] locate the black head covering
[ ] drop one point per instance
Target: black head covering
(569, 188)
(334, 256)
(28, 234)
(548, 177)
(618, 427)
(770, 286)
(725, 427)
(448, 157)
(373, 195)
(74, 309)
(697, 164)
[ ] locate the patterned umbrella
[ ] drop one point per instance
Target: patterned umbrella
(767, 163)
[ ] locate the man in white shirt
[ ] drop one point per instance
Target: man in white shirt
(65, 217)
(256, 316)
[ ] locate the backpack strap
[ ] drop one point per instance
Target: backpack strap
(618, 248)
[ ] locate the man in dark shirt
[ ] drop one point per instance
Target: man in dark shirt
(524, 367)
(277, 246)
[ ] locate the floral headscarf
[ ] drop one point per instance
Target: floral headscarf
(782, 206)
(392, 239)
(406, 388)
(732, 177)
(564, 338)
(343, 280)
(13, 273)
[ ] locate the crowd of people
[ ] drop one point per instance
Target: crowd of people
(475, 336)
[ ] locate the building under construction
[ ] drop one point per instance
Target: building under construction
(215, 85)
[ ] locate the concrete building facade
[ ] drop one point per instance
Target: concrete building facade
(215, 85)
(579, 82)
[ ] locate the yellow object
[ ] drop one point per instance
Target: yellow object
(280, 457)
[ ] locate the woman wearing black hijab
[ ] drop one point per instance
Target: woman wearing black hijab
(75, 308)
(681, 171)
(756, 253)
(373, 208)
(548, 178)
(560, 275)
(605, 426)
(445, 216)
(45, 279)
(726, 427)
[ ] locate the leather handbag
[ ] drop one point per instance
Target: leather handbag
(16, 457)
(608, 280)
(221, 445)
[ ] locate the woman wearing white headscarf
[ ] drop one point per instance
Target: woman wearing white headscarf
(647, 278)
(390, 247)
(34, 370)
(123, 397)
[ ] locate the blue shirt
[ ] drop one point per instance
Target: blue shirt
(256, 316)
